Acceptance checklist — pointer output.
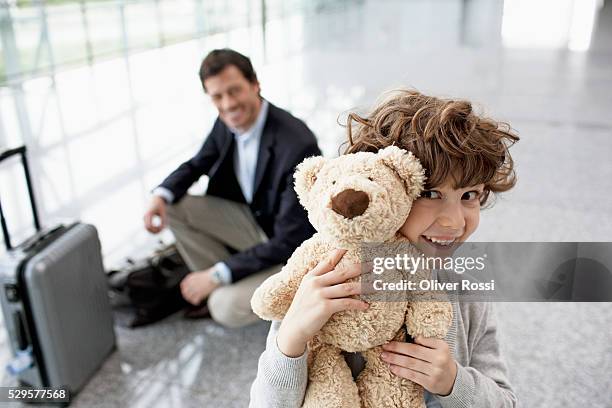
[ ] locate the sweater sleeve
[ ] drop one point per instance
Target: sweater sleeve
(485, 382)
(281, 380)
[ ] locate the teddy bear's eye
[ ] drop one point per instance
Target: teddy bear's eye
(370, 178)
(333, 182)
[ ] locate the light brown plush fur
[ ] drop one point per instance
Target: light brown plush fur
(332, 190)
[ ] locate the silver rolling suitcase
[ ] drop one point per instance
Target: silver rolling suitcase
(54, 301)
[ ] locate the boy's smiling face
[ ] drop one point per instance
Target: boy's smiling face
(442, 217)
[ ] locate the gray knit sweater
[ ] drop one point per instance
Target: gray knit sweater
(481, 381)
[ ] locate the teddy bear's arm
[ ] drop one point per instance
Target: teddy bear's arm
(429, 316)
(273, 297)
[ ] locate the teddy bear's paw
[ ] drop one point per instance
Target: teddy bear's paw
(429, 319)
(272, 298)
(324, 398)
(330, 382)
(389, 391)
(379, 387)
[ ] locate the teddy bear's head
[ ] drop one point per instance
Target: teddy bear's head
(359, 197)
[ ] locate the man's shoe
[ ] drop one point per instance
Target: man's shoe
(197, 312)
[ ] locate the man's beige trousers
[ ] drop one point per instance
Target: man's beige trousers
(203, 226)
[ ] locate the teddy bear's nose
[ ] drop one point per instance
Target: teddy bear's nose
(350, 203)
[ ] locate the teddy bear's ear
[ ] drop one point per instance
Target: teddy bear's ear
(407, 166)
(306, 174)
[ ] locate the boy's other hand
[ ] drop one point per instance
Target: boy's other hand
(427, 362)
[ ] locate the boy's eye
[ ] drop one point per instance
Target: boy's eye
(431, 194)
(470, 195)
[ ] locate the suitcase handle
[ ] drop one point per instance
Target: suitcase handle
(24, 161)
(20, 331)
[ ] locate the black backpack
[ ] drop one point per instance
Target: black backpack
(148, 290)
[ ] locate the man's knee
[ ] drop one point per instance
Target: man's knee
(177, 215)
(231, 307)
(175, 212)
(183, 212)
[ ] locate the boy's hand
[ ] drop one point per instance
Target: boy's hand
(322, 292)
(428, 362)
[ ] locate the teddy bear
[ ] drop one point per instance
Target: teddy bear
(353, 200)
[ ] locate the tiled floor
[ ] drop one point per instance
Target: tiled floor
(105, 134)
(178, 363)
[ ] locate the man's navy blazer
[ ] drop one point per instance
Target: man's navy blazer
(285, 142)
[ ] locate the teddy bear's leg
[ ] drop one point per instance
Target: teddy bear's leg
(429, 316)
(330, 382)
(379, 387)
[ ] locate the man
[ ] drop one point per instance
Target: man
(250, 221)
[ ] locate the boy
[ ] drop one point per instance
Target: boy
(466, 158)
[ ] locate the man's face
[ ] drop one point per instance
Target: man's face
(236, 99)
(443, 214)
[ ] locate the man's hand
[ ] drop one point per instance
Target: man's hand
(157, 208)
(428, 362)
(196, 286)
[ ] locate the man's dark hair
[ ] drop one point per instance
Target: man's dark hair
(217, 60)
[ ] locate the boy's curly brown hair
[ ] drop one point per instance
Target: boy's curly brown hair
(449, 139)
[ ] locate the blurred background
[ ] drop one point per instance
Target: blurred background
(106, 96)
